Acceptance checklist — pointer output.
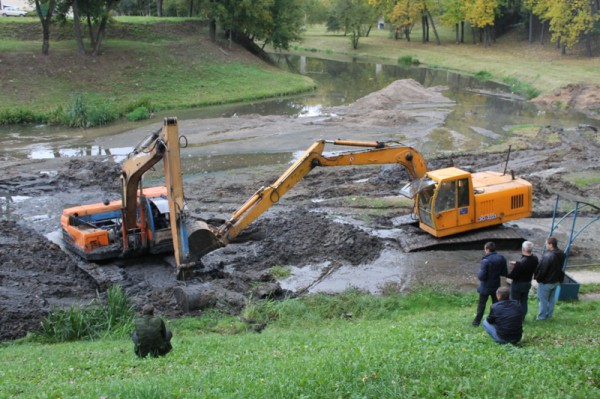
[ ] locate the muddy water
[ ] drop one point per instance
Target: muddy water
(484, 111)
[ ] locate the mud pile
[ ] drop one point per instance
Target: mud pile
(575, 97)
(399, 103)
(35, 276)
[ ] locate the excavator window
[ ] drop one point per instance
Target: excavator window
(446, 196)
(463, 193)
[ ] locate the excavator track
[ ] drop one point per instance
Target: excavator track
(504, 237)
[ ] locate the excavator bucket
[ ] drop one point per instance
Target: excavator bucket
(203, 238)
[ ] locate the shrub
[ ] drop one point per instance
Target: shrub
(408, 60)
(18, 115)
(115, 317)
(483, 75)
(138, 114)
(87, 111)
(523, 88)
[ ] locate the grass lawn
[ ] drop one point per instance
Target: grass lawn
(167, 64)
(348, 346)
(510, 57)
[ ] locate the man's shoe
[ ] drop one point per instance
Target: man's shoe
(475, 323)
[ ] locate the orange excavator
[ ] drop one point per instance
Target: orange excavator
(447, 201)
(146, 220)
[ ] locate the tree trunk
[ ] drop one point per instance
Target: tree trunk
(424, 28)
(212, 30)
(191, 10)
(368, 30)
(91, 31)
(563, 49)
(396, 33)
(100, 35)
(588, 43)
(437, 37)
(407, 33)
(77, 28)
(457, 33)
(542, 42)
(530, 27)
(462, 31)
(159, 8)
(45, 20)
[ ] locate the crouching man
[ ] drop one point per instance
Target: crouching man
(505, 321)
(151, 337)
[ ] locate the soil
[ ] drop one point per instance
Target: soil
(334, 230)
(584, 98)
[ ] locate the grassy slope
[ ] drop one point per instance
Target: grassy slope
(510, 57)
(171, 64)
(418, 346)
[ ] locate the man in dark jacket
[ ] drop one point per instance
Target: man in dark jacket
(493, 265)
(505, 321)
(151, 337)
(521, 273)
(549, 274)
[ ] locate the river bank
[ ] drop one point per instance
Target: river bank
(338, 228)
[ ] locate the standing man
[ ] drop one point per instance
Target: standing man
(505, 321)
(493, 265)
(549, 274)
(521, 274)
(151, 337)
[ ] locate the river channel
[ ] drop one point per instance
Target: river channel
(484, 111)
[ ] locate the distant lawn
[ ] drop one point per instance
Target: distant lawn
(347, 346)
(166, 63)
(509, 58)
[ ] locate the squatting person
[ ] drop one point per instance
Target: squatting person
(505, 321)
(151, 337)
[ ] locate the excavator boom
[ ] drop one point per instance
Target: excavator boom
(207, 240)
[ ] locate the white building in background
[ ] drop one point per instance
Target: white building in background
(20, 4)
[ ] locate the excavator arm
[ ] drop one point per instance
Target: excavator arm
(162, 144)
(371, 154)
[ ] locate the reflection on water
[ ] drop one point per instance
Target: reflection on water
(482, 113)
(46, 152)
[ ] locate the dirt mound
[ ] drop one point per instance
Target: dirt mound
(399, 103)
(82, 173)
(307, 238)
(35, 275)
(583, 98)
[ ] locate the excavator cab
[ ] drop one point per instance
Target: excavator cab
(451, 201)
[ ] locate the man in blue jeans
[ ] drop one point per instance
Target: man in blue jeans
(492, 267)
(505, 321)
(549, 274)
(521, 273)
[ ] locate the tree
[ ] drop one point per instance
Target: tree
(44, 10)
(569, 21)
(454, 15)
(481, 14)
(356, 18)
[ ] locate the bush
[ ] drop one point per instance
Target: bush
(115, 317)
(88, 111)
(525, 89)
(18, 115)
(138, 114)
(408, 60)
(483, 75)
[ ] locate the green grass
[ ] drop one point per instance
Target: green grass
(280, 272)
(350, 346)
(162, 63)
(586, 181)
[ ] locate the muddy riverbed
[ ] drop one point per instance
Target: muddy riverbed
(338, 228)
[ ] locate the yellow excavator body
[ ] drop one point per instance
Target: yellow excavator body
(459, 201)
